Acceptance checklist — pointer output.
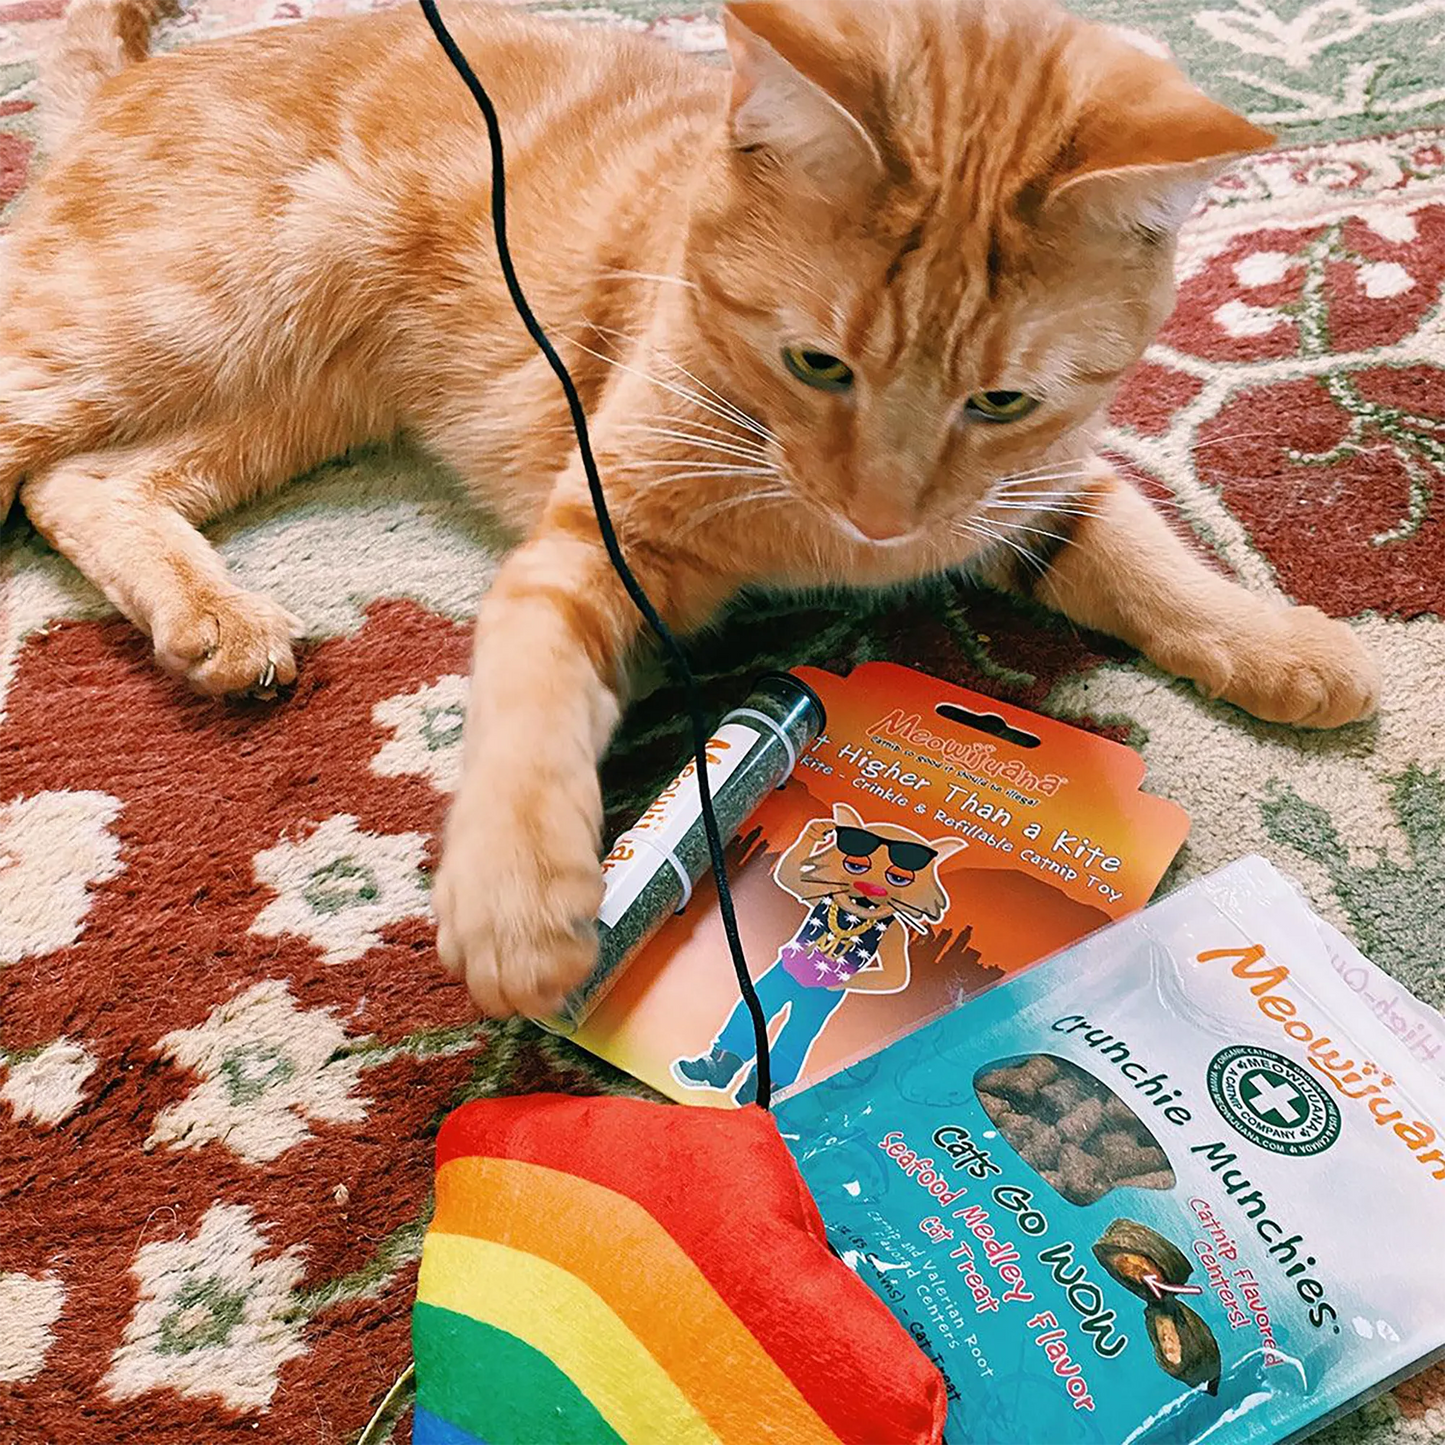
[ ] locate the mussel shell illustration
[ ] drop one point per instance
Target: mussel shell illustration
(1130, 1250)
(1184, 1346)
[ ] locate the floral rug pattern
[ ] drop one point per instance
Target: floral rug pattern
(224, 1050)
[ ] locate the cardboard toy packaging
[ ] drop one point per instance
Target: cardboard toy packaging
(930, 843)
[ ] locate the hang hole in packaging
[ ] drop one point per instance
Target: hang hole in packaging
(991, 724)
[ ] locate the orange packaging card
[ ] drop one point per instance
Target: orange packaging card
(931, 843)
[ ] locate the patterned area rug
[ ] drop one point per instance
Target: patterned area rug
(223, 1048)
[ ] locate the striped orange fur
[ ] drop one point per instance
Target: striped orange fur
(251, 254)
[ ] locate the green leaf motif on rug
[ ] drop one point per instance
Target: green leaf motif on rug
(1383, 898)
(441, 727)
(1373, 425)
(341, 883)
(253, 1069)
(203, 1315)
(15, 75)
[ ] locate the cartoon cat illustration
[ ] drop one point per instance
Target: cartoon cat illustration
(866, 886)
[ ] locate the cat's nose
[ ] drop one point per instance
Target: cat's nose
(872, 890)
(880, 519)
(880, 522)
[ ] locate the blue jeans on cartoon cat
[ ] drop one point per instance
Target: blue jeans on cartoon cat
(809, 1010)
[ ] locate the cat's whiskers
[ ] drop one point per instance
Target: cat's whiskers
(1044, 513)
(722, 464)
(1027, 502)
(1000, 496)
(729, 433)
(741, 417)
(763, 497)
(1036, 531)
(695, 398)
(968, 526)
(711, 471)
(1066, 493)
(701, 443)
(720, 404)
(1004, 488)
(1062, 506)
(1072, 463)
(1020, 500)
(623, 274)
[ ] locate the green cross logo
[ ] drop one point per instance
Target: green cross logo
(1272, 1101)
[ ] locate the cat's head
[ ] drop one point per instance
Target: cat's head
(878, 870)
(940, 231)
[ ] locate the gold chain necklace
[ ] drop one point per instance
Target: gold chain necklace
(839, 934)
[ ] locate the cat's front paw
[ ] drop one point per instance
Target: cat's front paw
(224, 641)
(1293, 666)
(516, 904)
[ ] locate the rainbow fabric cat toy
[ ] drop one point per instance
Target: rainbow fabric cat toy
(606, 1270)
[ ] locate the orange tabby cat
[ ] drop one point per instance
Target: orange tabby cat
(845, 313)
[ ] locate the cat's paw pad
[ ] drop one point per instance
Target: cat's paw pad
(518, 926)
(228, 642)
(1305, 669)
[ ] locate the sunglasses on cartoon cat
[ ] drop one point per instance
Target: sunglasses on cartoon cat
(860, 843)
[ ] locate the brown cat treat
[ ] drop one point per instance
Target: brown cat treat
(1019, 1130)
(1125, 1158)
(1014, 1085)
(1118, 1112)
(850, 312)
(1060, 1098)
(1080, 1122)
(1043, 1147)
(1082, 1175)
(995, 1106)
(1039, 1070)
(1160, 1179)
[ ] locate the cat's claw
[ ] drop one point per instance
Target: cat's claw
(265, 688)
(229, 642)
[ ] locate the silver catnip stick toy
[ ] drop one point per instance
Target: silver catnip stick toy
(653, 865)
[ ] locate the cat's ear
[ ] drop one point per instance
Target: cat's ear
(846, 817)
(784, 98)
(944, 848)
(1149, 145)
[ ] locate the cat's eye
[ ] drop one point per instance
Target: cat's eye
(856, 865)
(817, 368)
(898, 878)
(999, 406)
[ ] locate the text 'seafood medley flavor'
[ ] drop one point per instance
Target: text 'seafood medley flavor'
(1184, 1182)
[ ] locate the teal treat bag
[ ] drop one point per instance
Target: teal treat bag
(1181, 1183)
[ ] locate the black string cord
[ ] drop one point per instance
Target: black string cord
(633, 587)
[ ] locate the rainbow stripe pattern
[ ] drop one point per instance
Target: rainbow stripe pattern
(612, 1272)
